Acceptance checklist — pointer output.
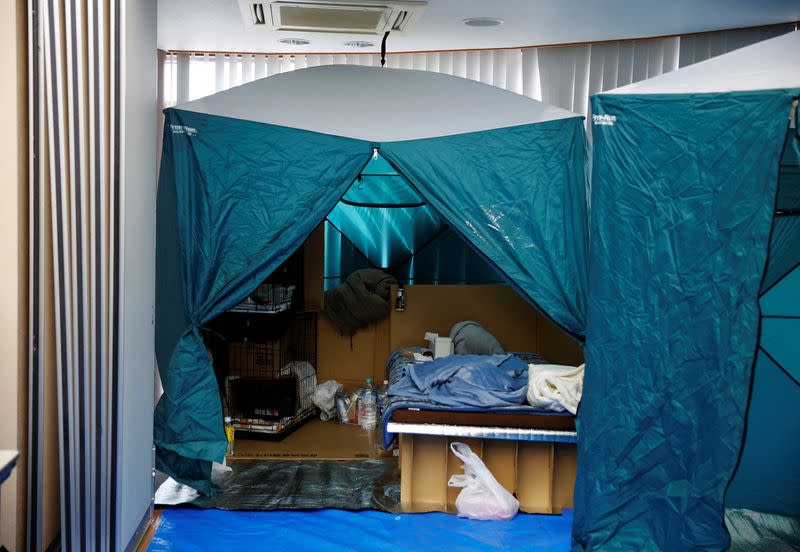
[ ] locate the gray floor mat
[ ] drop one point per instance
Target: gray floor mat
(302, 485)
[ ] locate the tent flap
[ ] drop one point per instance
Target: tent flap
(246, 195)
(682, 202)
(518, 195)
(789, 179)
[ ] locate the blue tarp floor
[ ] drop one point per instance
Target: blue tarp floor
(188, 529)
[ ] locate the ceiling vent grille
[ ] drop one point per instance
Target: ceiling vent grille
(351, 16)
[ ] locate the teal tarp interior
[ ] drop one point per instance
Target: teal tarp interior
(384, 217)
(446, 259)
(683, 197)
(237, 197)
(382, 222)
(766, 479)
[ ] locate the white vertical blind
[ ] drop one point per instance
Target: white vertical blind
(565, 76)
(557, 69)
(183, 78)
(695, 48)
(219, 74)
(499, 67)
(474, 65)
(273, 65)
(235, 64)
(531, 85)
(393, 62)
(434, 62)
(259, 67)
(446, 63)
(570, 75)
(248, 68)
(485, 66)
(459, 64)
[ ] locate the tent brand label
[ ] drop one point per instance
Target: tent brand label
(605, 120)
(183, 129)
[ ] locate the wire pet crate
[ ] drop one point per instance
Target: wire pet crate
(272, 304)
(264, 355)
(270, 383)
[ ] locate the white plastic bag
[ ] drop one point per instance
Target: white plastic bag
(482, 497)
(325, 399)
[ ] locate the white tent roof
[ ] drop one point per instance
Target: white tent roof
(766, 65)
(376, 104)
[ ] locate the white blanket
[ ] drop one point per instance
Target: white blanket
(555, 387)
(172, 493)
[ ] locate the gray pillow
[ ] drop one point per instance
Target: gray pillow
(470, 338)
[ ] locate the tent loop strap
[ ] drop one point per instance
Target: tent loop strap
(383, 48)
(384, 205)
(192, 327)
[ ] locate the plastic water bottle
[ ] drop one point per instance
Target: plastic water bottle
(369, 407)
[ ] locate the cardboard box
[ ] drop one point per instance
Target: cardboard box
(314, 269)
(317, 440)
(435, 308)
(350, 361)
(541, 475)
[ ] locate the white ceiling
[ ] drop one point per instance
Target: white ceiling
(216, 25)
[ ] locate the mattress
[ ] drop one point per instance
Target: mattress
(524, 419)
(398, 412)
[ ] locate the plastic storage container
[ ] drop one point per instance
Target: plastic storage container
(440, 346)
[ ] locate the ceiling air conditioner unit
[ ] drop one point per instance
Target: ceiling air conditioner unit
(349, 16)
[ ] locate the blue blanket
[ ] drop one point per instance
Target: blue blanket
(397, 366)
(485, 381)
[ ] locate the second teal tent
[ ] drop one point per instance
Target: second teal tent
(692, 283)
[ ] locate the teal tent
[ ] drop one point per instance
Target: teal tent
(685, 243)
(389, 156)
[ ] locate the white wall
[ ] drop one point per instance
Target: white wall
(138, 265)
(13, 253)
